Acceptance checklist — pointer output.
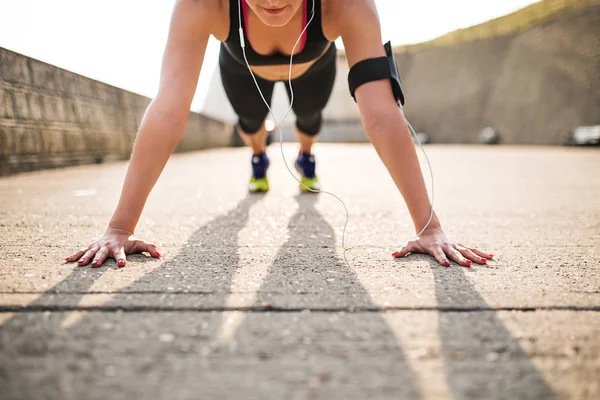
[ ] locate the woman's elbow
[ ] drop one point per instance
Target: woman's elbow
(381, 122)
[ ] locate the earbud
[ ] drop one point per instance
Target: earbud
(242, 41)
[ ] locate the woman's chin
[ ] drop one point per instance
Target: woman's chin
(279, 18)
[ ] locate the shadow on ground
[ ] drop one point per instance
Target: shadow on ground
(481, 357)
(268, 353)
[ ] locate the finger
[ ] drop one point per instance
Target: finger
(100, 256)
(470, 254)
(439, 255)
(406, 248)
(457, 257)
(87, 256)
(119, 255)
(481, 253)
(141, 245)
(76, 255)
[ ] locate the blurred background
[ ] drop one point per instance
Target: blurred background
(76, 77)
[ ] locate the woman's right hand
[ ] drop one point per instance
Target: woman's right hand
(115, 243)
(163, 124)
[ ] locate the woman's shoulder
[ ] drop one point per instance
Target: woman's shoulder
(213, 14)
(336, 13)
(338, 8)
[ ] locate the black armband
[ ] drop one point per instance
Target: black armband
(374, 69)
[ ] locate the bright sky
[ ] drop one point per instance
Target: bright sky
(121, 41)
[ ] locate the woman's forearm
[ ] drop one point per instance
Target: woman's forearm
(157, 137)
(393, 142)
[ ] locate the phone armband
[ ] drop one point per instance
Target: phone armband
(374, 69)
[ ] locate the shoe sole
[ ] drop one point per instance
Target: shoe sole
(304, 187)
(261, 186)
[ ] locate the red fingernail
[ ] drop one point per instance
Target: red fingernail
(158, 254)
(468, 262)
(395, 254)
(483, 260)
(121, 263)
(446, 263)
(491, 255)
(67, 258)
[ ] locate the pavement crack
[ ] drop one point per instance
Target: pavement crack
(268, 308)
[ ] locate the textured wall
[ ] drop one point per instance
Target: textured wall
(50, 117)
(550, 80)
(532, 86)
(448, 89)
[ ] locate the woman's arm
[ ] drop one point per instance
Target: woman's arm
(165, 119)
(161, 129)
(386, 128)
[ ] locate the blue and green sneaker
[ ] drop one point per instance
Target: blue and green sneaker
(259, 182)
(305, 165)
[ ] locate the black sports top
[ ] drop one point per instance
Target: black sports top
(312, 46)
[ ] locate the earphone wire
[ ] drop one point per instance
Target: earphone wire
(278, 125)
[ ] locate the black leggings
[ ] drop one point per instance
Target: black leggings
(311, 92)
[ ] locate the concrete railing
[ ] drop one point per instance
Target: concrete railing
(50, 117)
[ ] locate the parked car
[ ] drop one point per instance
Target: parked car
(583, 136)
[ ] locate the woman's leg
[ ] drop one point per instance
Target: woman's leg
(257, 140)
(246, 100)
(306, 141)
(252, 112)
(311, 94)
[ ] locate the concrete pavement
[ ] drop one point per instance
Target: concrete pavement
(253, 300)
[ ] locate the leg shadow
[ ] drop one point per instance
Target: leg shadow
(127, 353)
(330, 352)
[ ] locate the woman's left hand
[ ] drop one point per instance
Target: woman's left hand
(434, 241)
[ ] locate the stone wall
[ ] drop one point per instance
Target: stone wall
(448, 89)
(550, 80)
(532, 87)
(50, 117)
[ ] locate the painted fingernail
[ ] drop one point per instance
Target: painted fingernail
(395, 254)
(483, 260)
(67, 258)
(446, 263)
(121, 263)
(491, 255)
(468, 262)
(158, 254)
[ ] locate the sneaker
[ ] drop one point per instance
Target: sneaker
(305, 165)
(258, 181)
